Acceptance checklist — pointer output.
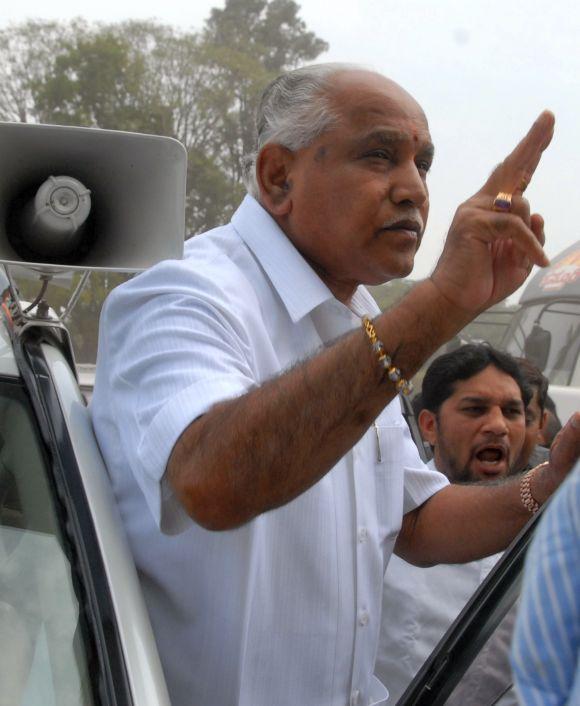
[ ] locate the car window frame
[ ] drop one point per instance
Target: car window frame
(109, 676)
(458, 648)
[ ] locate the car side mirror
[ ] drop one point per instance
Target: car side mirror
(537, 346)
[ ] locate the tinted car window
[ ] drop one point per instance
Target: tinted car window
(43, 659)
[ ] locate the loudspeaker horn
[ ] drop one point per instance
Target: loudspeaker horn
(78, 198)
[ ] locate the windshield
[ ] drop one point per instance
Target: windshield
(548, 334)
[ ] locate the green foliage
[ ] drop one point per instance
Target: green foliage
(201, 88)
(27, 52)
(270, 32)
(249, 43)
(84, 319)
(100, 82)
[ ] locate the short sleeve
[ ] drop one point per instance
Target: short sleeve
(170, 357)
(421, 482)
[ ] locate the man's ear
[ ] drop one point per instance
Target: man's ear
(428, 426)
(273, 166)
(543, 428)
(543, 420)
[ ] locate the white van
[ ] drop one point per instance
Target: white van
(546, 328)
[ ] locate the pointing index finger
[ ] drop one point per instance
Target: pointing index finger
(516, 171)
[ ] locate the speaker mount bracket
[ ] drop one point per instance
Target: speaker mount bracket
(24, 319)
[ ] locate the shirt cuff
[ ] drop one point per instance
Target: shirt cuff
(161, 436)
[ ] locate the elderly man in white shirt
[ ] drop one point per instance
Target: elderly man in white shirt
(250, 422)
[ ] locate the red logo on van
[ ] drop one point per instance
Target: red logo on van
(562, 273)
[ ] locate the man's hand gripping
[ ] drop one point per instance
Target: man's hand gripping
(564, 454)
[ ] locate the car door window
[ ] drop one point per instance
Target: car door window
(43, 657)
(488, 681)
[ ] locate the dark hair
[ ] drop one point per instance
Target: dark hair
(551, 407)
(553, 423)
(462, 364)
(533, 376)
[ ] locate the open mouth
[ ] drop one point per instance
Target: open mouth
(491, 459)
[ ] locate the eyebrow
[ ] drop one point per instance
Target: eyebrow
(487, 400)
(390, 136)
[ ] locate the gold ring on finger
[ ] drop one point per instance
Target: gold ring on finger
(502, 202)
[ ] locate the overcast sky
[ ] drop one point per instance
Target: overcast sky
(482, 69)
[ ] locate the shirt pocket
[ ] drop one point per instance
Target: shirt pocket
(389, 478)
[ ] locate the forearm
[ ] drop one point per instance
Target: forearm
(463, 523)
(466, 522)
(259, 451)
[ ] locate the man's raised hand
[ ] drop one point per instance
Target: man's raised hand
(489, 253)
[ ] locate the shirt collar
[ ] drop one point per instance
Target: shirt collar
(297, 284)
(299, 287)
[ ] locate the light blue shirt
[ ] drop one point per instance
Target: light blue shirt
(546, 646)
(284, 610)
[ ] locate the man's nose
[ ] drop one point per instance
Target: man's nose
(495, 422)
(409, 185)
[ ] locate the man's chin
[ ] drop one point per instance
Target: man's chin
(399, 271)
(488, 473)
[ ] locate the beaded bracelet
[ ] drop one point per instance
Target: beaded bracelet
(526, 496)
(393, 373)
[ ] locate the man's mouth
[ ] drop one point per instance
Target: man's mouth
(491, 460)
(411, 226)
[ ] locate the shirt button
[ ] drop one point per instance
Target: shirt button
(363, 535)
(363, 618)
(354, 697)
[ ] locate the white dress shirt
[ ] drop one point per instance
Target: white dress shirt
(419, 604)
(284, 610)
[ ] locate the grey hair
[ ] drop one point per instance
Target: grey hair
(294, 110)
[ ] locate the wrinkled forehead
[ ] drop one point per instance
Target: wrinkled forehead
(365, 99)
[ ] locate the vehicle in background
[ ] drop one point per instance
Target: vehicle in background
(546, 328)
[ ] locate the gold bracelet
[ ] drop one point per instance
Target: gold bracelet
(393, 373)
(526, 496)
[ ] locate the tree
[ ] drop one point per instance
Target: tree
(201, 88)
(270, 32)
(249, 43)
(26, 55)
(98, 80)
